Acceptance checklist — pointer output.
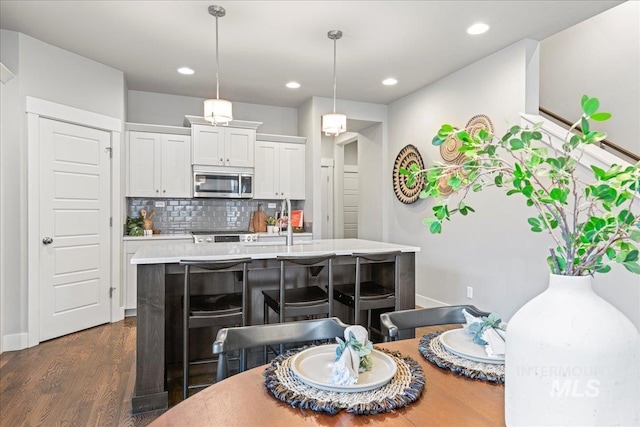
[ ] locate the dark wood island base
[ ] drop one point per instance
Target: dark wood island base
(159, 292)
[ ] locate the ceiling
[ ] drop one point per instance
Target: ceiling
(265, 44)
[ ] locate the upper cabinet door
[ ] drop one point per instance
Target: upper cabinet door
(208, 145)
(143, 169)
(279, 170)
(176, 166)
(267, 180)
(292, 171)
(223, 146)
(239, 147)
(158, 165)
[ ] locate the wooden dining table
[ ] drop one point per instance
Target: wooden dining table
(448, 399)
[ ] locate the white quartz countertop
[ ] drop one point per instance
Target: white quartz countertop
(160, 237)
(173, 253)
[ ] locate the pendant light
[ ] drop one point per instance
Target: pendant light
(334, 124)
(217, 111)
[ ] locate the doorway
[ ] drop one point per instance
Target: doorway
(350, 193)
(74, 228)
(73, 190)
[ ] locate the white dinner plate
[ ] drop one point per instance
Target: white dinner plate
(460, 343)
(313, 367)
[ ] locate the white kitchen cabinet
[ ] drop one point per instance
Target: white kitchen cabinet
(223, 146)
(279, 170)
(158, 165)
(129, 271)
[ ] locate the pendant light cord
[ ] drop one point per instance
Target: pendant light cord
(218, 64)
(334, 75)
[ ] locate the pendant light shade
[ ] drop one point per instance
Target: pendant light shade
(217, 111)
(333, 124)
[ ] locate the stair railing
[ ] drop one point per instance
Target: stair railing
(604, 143)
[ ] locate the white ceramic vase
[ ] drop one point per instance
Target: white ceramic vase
(571, 359)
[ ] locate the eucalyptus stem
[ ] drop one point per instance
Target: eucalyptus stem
(587, 221)
(554, 259)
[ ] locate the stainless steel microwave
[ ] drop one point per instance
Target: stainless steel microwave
(224, 183)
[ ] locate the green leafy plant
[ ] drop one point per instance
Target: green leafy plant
(134, 226)
(271, 220)
(593, 224)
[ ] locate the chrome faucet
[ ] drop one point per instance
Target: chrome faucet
(289, 227)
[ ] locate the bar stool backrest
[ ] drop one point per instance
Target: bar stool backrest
(396, 321)
(316, 264)
(381, 257)
(230, 339)
(212, 318)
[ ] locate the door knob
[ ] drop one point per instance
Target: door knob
(47, 240)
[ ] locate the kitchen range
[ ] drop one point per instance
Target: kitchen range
(224, 236)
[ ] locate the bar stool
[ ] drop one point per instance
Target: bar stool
(201, 311)
(370, 295)
(305, 301)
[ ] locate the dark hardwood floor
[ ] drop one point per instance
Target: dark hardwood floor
(81, 379)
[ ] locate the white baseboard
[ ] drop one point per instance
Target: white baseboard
(426, 302)
(15, 342)
(128, 312)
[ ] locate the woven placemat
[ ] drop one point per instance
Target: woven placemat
(404, 388)
(432, 350)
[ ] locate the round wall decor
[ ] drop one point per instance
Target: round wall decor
(407, 194)
(449, 150)
(478, 122)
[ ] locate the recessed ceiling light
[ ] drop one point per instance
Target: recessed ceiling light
(389, 82)
(186, 71)
(477, 28)
(293, 85)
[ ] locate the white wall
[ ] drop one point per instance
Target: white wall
(306, 126)
(599, 57)
(611, 42)
(351, 154)
(9, 187)
(47, 72)
(370, 183)
(491, 250)
(165, 109)
(311, 113)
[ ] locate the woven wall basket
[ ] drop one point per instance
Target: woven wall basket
(407, 194)
(478, 122)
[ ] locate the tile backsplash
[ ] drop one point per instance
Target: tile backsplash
(184, 215)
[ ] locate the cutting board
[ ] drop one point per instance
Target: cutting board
(259, 220)
(251, 229)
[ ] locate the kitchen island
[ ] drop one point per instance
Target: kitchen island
(160, 284)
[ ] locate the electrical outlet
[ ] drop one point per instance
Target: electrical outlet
(469, 292)
(160, 204)
(271, 205)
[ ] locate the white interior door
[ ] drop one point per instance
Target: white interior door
(73, 228)
(350, 203)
